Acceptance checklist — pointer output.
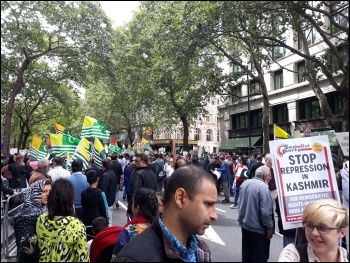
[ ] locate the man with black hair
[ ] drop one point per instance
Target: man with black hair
(108, 184)
(188, 209)
(117, 168)
(142, 176)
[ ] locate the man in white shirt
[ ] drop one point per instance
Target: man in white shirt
(58, 171)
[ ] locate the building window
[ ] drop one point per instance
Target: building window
(239, 121)
(236, 92)
(218, 136)
(167, 135)
(236, 69)
(301, 71)
(256, 118)
(254, 87)
(278, 79)
(206, 118)
(310, 109)
(310, 34)
(278, 52)
(209, 135)
(280, 113)
(178, 135)
(197, 133)
(340, 15)
(335, 102)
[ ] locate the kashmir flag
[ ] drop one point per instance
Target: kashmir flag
(98, 152)
(144, 141)
(94, 129)
(61, 129)
(114, 149)
(38, 148)
(82, 153)
(63, 143)
(87, 145)
(279, 133)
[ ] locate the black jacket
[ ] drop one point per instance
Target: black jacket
(253, 168)
(141, 177)
(117, 168)
(152, 246)
(93, 205)
(108, 184)
(19, 176)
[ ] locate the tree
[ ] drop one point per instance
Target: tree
(228, 30)
(307, 19)
(169, 78)
(73, 37)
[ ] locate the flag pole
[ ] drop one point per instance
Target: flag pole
(274, 132)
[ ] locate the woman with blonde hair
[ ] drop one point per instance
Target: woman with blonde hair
(325, 223)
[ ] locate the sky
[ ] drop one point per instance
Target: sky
(119, 11)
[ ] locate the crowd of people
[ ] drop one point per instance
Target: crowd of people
(170, 200)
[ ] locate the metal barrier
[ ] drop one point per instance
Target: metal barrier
(8, 241)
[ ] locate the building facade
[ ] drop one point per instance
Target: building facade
(292, 102)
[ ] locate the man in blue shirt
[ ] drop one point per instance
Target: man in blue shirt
(79, 181)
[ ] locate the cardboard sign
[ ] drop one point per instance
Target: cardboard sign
(343, 139)
(304, 173)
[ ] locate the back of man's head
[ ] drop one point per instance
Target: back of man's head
(92, 176)
(106, 162)
(190, 178)
(114, 157)
(194, 159)
(58, 160)
(259, 158)
(77, 165)
(99, 224)
(180, 163)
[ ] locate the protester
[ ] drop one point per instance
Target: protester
(225, 177)
(19, 174)
(242, 165)
(41, 172)
(108, 184)
(93, 201)
(189, 208)
(118, 171)
(145, 209)
(24, 223)
(78, 179)
(58, 171)
(325, 223)
(255, 217)
(272, 182)
(143, 176)
(98, 224)
(61, 236)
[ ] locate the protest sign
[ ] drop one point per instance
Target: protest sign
(304, 173)
(343, 139)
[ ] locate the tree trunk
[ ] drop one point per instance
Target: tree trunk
(10, 106)
(25, 139)
(184, 121)
(266, 118)
(327, 113)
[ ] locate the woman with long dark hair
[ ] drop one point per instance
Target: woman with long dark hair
(145, 208)
(61, 236)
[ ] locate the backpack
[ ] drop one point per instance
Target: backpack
(161, 173)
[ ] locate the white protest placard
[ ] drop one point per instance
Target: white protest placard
(304, 173)
(343, 139)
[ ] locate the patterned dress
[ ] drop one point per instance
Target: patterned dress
(61, 240)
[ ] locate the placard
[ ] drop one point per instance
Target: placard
(343, 139)
(304, 173)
